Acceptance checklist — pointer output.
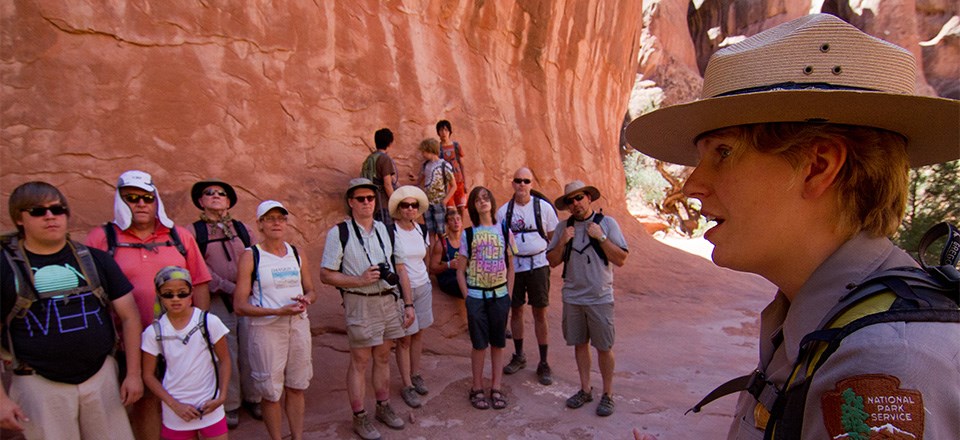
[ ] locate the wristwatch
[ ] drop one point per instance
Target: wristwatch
(603, 238)
(407, 305)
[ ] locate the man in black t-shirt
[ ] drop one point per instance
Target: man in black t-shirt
(61, 343)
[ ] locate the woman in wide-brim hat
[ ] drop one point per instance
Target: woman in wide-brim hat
(407, 203)
(803, 139)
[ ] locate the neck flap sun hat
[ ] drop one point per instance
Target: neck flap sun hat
(817, 69)
(122, 216)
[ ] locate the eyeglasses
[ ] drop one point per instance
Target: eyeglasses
(522, 181)
(577, 198)
(180, 295)
(405, 205)
(275, 219)
(40, 211)
(364, 199)
(133, 199)
(213, 192)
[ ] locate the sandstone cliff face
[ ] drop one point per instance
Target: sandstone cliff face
(928, 28)
(282, 98)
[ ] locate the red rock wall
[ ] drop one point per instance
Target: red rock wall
(281, 98)
(928, 28)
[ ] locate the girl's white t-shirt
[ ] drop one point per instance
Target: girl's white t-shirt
(190, 376)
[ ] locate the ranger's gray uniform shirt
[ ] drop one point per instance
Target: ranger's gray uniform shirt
(923, 357)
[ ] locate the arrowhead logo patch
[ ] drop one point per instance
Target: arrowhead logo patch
(872, 406)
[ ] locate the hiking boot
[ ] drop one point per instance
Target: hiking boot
(233, 418)
(517, 363)
(544, 375)
(386, 416)
(605, 408)
(363, 427)
(582, 397)
(253, 408)
(419, 385)
(409, 395)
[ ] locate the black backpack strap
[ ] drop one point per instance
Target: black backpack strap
(255, 275)
(202, 235)
(205, 330)
(457, 154)
(951, 250)
(175, 237)
(111, 235)
(567, 248)
(344, 231)
(537, 214)
(597, 217)
(296, 254)
(469, 232)
(755, 383)
(242, 232)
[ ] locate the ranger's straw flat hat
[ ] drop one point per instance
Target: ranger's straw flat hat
(816, 68)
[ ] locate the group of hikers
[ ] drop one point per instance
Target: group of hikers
(154, 330)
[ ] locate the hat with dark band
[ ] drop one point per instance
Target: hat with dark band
(816, 69)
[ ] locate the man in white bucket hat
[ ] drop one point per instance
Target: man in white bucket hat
(802, 142)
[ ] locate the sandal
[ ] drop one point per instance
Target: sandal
(499, 402)
(478, 400)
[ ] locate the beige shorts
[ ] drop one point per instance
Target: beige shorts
(423, 306)
(594, 324)
(280, 356)
(54, 407)
(372, 320)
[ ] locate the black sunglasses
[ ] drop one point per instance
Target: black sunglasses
(577, 197)
(41, 211)
(133, 199)
(362, 199)
(405, 205)
(213, 192)
(523, 181)
(180, 295)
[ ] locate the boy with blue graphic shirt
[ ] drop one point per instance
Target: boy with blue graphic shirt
(56, 297)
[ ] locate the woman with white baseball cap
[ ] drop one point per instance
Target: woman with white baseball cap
(274, 289)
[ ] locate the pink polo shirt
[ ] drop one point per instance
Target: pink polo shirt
(141, 265)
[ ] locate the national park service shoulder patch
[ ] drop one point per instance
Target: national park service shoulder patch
(872, 406)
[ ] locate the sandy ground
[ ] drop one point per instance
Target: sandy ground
(683, 327)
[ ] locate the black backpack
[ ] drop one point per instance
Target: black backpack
(26, 289)
(924, 294)
(203, 237)
(112, 244)
(594, 243)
